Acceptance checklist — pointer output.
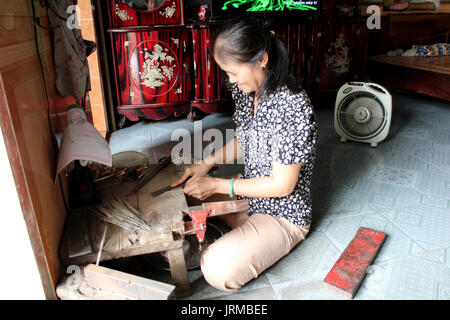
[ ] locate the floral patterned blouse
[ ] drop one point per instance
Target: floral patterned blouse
(283, 130)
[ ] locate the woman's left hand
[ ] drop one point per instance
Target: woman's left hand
(200, 187)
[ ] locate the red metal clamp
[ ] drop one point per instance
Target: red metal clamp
(199, 220)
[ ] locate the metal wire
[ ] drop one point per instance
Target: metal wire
(121, 213)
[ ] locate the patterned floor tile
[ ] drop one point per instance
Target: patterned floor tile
(434, 183)
(378, 195)
(431, 117)
(402, 160)
(423, 223)
(434, 253)
(266, 293)
(435, 201)
(435, 155)
(203, 290)
(409, 144)
(440, 136)
(311, 259)
(393, 175)
(442, 255)
(334, 203)
(315, 290)
(419, 131)
(411, 277)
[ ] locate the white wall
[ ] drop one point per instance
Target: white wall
(19, 275)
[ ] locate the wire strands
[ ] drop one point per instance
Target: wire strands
(121, 213)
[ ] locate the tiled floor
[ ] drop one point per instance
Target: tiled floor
(402, 188)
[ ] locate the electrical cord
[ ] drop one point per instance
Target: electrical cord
(55, 147)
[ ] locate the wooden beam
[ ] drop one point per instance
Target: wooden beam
(126, 284)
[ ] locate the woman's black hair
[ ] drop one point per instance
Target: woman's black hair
(245, 40)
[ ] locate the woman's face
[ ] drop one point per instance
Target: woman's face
(248, 77)
(151, 5)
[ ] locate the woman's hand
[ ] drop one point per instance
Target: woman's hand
(200, 187)
(194, 170)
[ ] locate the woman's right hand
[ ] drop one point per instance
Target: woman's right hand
(197, 169)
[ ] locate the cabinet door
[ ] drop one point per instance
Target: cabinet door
(211, 86)
(126, 13)
(152, 68)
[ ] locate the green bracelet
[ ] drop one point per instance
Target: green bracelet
(231, 188)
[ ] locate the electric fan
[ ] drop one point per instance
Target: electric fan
(363, 112)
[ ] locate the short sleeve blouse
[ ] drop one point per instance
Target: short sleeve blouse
(283, 130)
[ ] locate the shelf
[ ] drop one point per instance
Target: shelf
(444, 8)
(438, 64)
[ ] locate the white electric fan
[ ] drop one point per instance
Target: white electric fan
(363, 112)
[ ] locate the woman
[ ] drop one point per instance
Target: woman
(276, 136)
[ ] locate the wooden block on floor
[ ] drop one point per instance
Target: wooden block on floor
(349, 271)
(126, 284)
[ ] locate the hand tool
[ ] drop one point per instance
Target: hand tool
(192, 231)
(102, 243)
(168, 188)
(163, 162)
(162, 190)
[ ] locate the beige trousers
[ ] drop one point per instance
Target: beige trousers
(254, 244)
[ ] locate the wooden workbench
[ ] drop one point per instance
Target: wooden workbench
(165, 214)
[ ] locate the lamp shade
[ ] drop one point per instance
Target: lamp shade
(81, 141)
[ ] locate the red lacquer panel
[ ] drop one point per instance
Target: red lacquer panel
(153, 71)
(211, 92)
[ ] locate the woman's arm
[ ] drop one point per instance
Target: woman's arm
(280, 184)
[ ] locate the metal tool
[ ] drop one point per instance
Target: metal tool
(102, 243)
(193, 231)
(162, 190)
(163, 162)
(167, 188)
(213, 209)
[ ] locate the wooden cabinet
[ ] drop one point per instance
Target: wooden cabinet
(163, 67)
(153, 72)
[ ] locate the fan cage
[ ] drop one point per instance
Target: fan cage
(346, 102)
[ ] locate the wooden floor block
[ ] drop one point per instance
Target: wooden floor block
(349, 271)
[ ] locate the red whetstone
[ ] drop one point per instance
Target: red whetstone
(348, 272)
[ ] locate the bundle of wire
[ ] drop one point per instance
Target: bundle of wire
(121, 213)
